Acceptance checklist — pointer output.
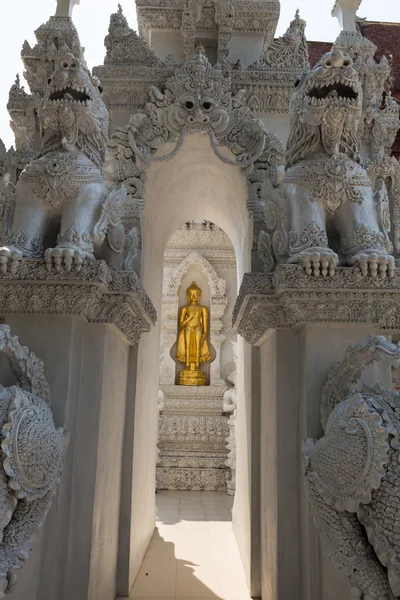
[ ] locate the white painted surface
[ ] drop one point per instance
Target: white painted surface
(195, 184)
(165, 42)
(77, 552)
(247, 47)
(193, 553)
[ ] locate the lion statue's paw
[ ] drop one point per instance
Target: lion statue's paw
(66, 258)
(317, 264)
(374, 264)
(10, 259)
(357, 594)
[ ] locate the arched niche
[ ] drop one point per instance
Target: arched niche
(194, 184)
(193, 267)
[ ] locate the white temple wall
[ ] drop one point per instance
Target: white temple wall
(293, 369)
(195, 184)
(76, 555)
(246, 47)
(165, 42)
(278, 123)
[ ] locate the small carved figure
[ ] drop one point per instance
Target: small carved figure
(32, 452)
(353, 474)
(192, 346)
(326, 193)
(60, 198)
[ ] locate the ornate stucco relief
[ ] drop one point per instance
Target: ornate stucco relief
(193, 435)
(325, 188)
(290, 297)
(32, 451)
(96, 293)
(352, 473)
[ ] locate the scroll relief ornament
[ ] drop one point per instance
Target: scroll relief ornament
(353, 474)
(325, 188)
(61, 196)
(32, 451)
(197, 98)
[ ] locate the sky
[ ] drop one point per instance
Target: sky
(20, 18)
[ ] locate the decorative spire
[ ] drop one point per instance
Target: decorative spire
(345, 12)
(124, 46)
(289, 52)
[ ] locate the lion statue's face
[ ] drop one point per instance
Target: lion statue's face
(326, 110)
(73, 115)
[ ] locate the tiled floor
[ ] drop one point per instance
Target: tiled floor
(193, 553)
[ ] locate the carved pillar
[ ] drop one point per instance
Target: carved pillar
(300, 335)
(84, 326)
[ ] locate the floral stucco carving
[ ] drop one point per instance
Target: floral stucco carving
(216, 284)
(96, 293)
(32, 451)
(289, 52)
(289, 297)
(352, 473)
(124, 46)
(193, 435)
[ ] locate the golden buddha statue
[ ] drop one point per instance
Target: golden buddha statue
(192, 346)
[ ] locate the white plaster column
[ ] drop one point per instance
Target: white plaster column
(345, 12)
(65, 7)
(86, 364)
(293, 369)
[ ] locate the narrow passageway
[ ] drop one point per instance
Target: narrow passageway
(193, 552)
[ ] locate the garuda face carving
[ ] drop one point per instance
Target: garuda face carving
(196, 97)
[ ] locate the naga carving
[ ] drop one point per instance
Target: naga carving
(353, 474)
(329, 211)
(61, 207)
(32, 451)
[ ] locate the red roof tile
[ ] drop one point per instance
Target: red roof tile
(386, 36)
(316, 50)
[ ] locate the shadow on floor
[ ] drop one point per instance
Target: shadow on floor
(163, 575)
(193, 552)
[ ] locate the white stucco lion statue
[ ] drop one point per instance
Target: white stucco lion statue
(353, 474)
(62, 208)
(330, 214)
(31, 458)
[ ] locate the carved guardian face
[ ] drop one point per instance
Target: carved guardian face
(326, 109)
(196, 110)
(197, 97)
(73, 114)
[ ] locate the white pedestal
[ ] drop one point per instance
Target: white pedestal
(193, 435)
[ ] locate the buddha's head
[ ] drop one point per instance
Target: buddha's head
(193, 293)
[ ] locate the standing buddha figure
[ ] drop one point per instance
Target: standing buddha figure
(192, 349)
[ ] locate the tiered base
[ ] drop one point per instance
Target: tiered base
(187, 377)
(193, 435)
